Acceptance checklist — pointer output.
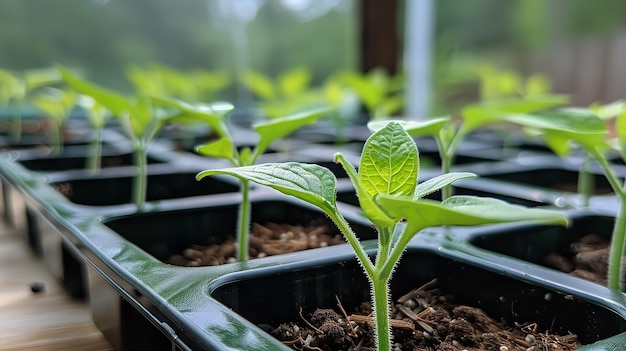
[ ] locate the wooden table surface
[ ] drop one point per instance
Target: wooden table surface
(46, 321)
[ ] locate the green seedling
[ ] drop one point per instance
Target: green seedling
(192, 85)
(450, 133)
(609, 114)
(568, 128)
(225, 148)
(15, 88)
(584, 128)
(381, 94)
(57, 105)
(142, 118)
(98, 116)
(284, 95)
(392, 199)
(345, 103)
(496, 83)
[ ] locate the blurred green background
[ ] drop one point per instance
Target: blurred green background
(577, 44)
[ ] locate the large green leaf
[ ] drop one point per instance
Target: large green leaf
(281, 127)
(463, 211)
(309, 182)
(389, 162)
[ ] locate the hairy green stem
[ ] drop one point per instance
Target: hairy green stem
(243, 222)
(352, 239)
(380, 306)
(396, 251)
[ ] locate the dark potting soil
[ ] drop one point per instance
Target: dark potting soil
(423, 319)
(586, 258)
(265, 240)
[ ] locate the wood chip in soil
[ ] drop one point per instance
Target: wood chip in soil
(423, 319)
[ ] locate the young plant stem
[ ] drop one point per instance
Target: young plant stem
(140, 184)
(585, 180)
(352, 239)
(378, 279)
(616, 251)
(394, 257)
(610, 176)
(56, 139)
(447, 153)
(380, 301)
(243, 221)
(16, 121)
(95, 150)
(446, 164)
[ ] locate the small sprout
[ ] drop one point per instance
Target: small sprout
(225, 148)
(142, 118)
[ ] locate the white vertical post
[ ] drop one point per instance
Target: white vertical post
(417, 56)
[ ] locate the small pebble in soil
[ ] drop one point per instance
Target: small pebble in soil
(37, 287)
